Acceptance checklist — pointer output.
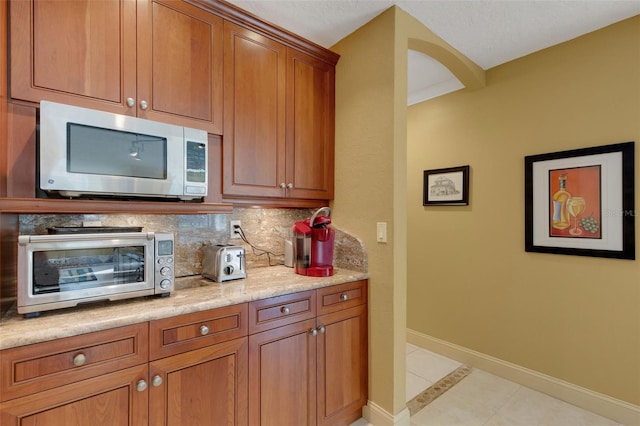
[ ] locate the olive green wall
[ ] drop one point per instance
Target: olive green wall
(470, 281)
(364, 180)
(371, 180)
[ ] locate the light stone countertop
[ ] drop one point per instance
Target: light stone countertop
(192, 294)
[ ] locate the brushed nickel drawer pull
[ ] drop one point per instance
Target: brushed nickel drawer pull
(321, 329)
(313, 332)
(344, 297)
(285, 310)
(204, 330)
(79, 359)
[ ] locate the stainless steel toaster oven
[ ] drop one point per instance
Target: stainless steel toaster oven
(64, 270)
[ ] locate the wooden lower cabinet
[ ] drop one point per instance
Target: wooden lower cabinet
(312, 372)
(342, 366)
(207, 386)
(112, 399)
(297, 359)
(282, 376)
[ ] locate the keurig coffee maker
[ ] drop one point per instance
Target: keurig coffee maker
(313, 241)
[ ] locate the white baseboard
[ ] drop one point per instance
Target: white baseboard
(606, 406)
(378, 416)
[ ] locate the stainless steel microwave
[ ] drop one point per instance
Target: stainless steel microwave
(65, 270)
(85, 152)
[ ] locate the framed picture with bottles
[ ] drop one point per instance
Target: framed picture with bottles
(581, 202)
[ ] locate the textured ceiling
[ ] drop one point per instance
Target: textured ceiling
(489, 32)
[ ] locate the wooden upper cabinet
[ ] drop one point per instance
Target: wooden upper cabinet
(81, 52)
(254, 138)
(180, 65)
(279, 119)
(153, 59)
(310, 126)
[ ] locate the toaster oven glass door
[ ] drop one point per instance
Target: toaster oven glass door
(66, 270)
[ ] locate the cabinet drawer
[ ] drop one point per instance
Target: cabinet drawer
(33, 368)
(171, 336)
(277, 311)
(341, 296)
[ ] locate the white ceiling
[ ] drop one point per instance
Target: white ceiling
(489, 32)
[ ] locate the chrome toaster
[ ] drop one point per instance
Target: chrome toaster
(223, 263)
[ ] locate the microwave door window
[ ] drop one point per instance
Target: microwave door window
(58, 271)
(95, 150)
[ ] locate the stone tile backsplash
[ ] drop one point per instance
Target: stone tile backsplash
(265, 229)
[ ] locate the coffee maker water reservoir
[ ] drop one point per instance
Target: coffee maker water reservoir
(313, 241)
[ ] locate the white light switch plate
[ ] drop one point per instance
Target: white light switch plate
(381, 232)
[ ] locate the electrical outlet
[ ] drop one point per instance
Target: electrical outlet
(233, 232)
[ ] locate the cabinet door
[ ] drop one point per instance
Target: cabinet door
(254, 114)
(282, 376)
(206, 386)
(109, 400)
(310, 127)
(180, 65)
(81, 52)
(342, 366)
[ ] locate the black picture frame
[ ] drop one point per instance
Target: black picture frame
(600, 211)
(446, 187)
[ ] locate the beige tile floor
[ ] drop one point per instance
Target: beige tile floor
(484, 399)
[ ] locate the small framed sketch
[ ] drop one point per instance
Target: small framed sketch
(581, 202)
(446, 187)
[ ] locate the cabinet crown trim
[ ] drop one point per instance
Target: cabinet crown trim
(239, 16)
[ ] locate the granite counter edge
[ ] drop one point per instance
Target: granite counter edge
(190, 296)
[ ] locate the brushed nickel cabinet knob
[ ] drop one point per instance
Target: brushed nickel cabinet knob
(156, 381)
(79, 359)
(141, 385)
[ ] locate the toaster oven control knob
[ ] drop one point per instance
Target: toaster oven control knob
(228, 269)
(79, 360)
(164, 284)
(165, 270)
